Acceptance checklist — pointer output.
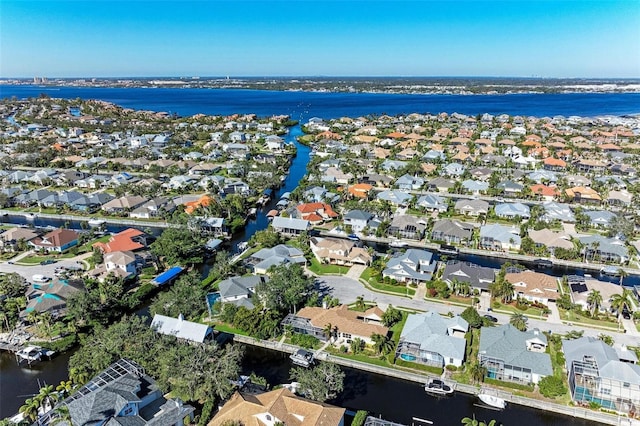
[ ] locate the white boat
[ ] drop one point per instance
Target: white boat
(492, 400)
(438, 387)
(302, 358)
(33, 354)
(397, 244)
(96, 222)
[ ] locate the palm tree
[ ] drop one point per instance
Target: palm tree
(594, 300)
(30, 409)
(64, 388)
(360, 305)
(330, 331)
(382, 344)
(62, 416)
(623, 273)
(619, 302)
(519, 321)
(477, 372)
(47, 397)
(357, 345)
(472, 421)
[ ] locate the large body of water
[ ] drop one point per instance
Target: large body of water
(394, 399)
(303, 105)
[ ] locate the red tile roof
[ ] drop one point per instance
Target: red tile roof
(122, 241)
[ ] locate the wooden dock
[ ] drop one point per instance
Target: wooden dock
(9, 347)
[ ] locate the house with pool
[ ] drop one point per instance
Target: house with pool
(601, 374)
(431, 339)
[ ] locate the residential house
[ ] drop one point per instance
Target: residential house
(346, 324)
(407, 226)
(581, 287)
(431, 339)
(440, 184)
(289, 226)
(599, 373)
(433, 203)
(605, 249)
(500, 237)
(240, 290)
(452, 231)
(474, 186)
(52, 296)
(583, 194)
(510, 188)
(555, 211)
(123, 394)
(121, 263)
(316, 213)
(124, 204)
(279, 406)
(515, 356)
(412, 266)
(59, 240)
(512, 210)
(471, 207)
(153, 208)
(551, 240)
(130, 239)
(265, 258)
(409, 183)
(360, 190)
(600, 218)
(339, 251)
(357, 219)
(396, 197)
(12, 239)
(182, 329)
(533, 286)
(478, 277)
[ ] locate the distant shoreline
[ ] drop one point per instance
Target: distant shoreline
(369, 85)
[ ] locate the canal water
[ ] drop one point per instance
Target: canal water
(392, 399)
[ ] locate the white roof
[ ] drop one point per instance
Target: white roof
(180, 328)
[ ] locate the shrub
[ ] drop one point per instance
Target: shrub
(450, 367)
(551, 386)
(359, 418)
(304, 340)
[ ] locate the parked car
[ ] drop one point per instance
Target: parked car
(48, 262)
(491, 318)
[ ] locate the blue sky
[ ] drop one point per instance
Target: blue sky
(549, 38)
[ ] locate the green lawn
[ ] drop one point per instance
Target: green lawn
(532, 312)
(577, 318)
(400, 289)
(226, 328)
(323, 269)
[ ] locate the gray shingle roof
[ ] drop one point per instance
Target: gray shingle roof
(431, 331)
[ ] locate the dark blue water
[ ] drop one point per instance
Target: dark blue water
(303, 105)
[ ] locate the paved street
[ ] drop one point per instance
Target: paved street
(28, 271)
(347, 290)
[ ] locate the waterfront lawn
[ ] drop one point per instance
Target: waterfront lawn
(579, 318)
(226, 328)
(371, 281)
(326, 269)
(509, 385)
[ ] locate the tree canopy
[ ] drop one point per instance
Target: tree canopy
(179, 246)
(320, 383)
(287, 288)
(186, 297)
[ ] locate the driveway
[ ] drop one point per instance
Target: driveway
(28, 271)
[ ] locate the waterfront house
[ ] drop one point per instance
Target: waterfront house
(451, 231)
(440, 184)
(289, 226)
(582, 287)
(533, 286)
(182, 329)
(316, 213)
(510, 188)
(407, 226)
(339, 251)
(240, 290)
(605, 249)
(122, 394)
(413, 266)
(130, 239)
(583, 195)
(600, 218)
(478, 277)
(59, 240)
(121, 263)
(262, 260)
(471, 207)
(599, 373)
(51, 296)
(512, 355)
(279, 406)
(409, 183)
(500, 237)
(474, 187)
(550, 239)
(124, 204)
(12, 239)
(431, 339)
(357, 219)
(360, 190)
(346, 324)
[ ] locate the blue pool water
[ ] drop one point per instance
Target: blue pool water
(212, 298)
(408, 357)
(584, 394)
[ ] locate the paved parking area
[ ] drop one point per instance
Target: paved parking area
(28, 271)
